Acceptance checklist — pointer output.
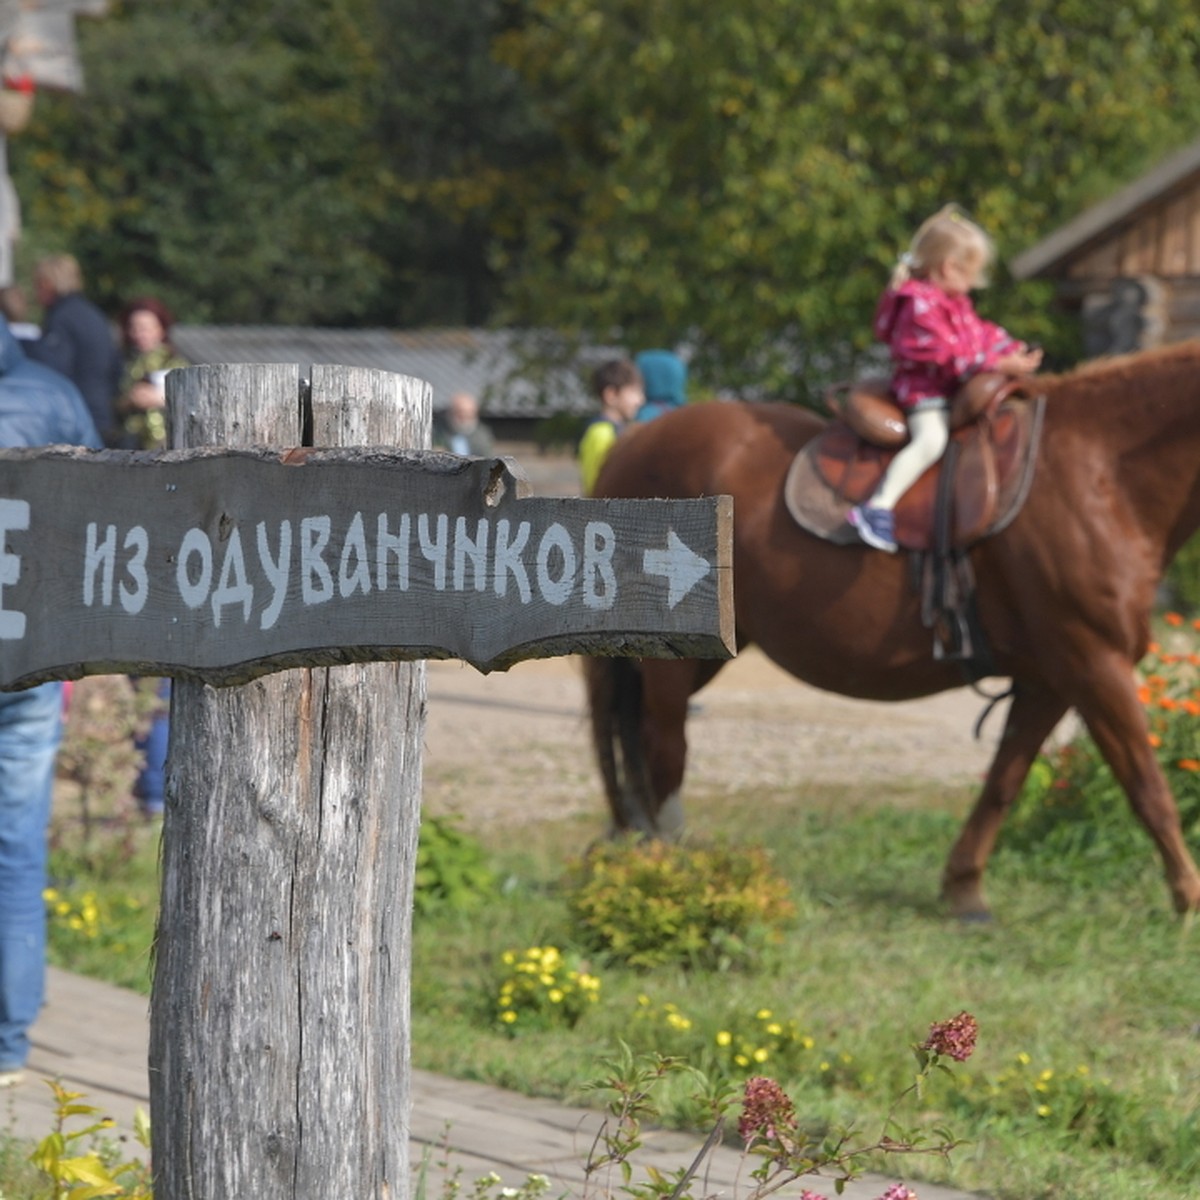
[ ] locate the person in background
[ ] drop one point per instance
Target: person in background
(460, 430)
(664, 374)
(38, 407)
(76, 339)
(617, 384)
(142, 404)
(146, 330)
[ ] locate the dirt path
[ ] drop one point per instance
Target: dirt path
(503, 745)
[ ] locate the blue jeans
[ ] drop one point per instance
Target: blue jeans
(30, 730)
(152, 746)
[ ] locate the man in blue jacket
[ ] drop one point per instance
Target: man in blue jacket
(77, 340)
(38, 407)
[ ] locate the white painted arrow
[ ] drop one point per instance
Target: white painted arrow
(682, 567)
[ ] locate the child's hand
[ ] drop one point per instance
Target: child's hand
(1021, 362)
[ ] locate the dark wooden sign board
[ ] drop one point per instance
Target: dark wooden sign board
(223, 565)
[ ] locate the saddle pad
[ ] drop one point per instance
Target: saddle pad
(837, 469)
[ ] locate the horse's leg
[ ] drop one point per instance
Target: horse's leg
(667, 685)
(1031, 719)
(1117, 722)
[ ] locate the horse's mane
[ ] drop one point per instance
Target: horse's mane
(1117, 368)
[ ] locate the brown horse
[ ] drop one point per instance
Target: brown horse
(1064, 595)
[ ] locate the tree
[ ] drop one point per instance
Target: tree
(223, 157)
(742, 177)
(458, 132)
(736, 177)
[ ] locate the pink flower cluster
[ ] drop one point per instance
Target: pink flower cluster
(954, 1038)
(767, 1111)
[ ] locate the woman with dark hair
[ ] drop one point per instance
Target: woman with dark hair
(142, 407)
(146, 333)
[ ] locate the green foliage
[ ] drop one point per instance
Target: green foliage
(1183, 577)
(651, 903)
(18, 1176)
(458, 132)
(98, 763)
(103, 866)
(452, 869)
(111, 922)
(745, 182)
(79, 1165)
(741, 182)
(1074, 1108)
(223, 159)
(733, 1046)
(1073, 814)
(1071, 974)
(783, 1148)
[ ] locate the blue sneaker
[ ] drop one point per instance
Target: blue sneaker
(875, 526)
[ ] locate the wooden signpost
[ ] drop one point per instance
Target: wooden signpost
(279, 1018)
(223, 565)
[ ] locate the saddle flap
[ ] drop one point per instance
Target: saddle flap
(838, 469)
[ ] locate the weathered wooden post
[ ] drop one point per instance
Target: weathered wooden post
(279, 1024)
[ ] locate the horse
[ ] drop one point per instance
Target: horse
(1064, 596)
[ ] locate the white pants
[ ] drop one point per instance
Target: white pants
(929, 431)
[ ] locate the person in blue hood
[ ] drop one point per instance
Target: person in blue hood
(38, 407)
(664, 374)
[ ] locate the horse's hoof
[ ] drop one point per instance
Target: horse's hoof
(982, 917)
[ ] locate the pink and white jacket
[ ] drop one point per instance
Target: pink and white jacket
(937, 341)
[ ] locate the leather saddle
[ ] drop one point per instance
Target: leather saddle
(995, 424)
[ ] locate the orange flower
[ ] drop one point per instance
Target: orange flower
(1167, 704)
(1153, 648)
(1157, 682)
(1191, 707)
(1189, 764)
(1144, 694)
(1173, 618)
(1154, 740)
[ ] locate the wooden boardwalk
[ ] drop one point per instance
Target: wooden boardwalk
(93, 1038)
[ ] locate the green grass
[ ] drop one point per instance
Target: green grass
(103, 903)
(19, 1178)
(1100, 979)
(1070, 975)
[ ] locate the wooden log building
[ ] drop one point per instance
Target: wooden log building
(1130, 265)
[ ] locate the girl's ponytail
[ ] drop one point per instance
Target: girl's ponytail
(902, 271)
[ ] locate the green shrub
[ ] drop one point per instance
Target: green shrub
(540, 988)
(648, 904)
(452, 869)
(1073, 814)
(1183, 577)
(741, 1043)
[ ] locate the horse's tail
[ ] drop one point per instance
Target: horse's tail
(614, 691)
